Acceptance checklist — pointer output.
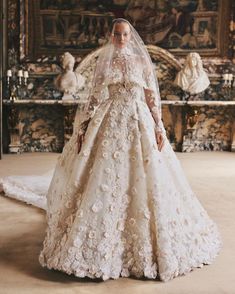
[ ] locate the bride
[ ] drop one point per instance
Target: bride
(118, 203)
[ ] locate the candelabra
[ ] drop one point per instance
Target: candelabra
(17, 84)
(228, 83)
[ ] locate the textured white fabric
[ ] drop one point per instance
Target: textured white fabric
(30, 189)
(120, 207)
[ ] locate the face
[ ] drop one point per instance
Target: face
(69, 65)
(121, 34)
(193, 61)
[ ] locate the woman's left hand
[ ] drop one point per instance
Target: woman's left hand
(160, 140)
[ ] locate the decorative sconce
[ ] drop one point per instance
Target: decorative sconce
(228, 80)
(227, 85)
(192, 118)
(14, 83)
(26, 76)
(9, 75)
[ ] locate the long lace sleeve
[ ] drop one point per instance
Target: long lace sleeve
(152, 98)
(154, 108)
(97, 95)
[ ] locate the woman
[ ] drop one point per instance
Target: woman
(119, 203)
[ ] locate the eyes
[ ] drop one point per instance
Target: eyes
(119, 35)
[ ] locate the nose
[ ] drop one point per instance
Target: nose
(122, 38)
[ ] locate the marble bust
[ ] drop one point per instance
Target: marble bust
(69, 81)
(192, 78)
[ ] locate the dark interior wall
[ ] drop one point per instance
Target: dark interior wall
(19, 56)
(3, 65)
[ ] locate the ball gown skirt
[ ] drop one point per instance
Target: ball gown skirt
(120, 207)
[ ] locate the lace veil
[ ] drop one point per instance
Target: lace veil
(135, 59)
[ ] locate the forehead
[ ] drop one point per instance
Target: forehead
(122, 27)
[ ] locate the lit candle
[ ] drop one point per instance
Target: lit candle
(26, 74)
(9, 73)
(226, 77)
(230, 77)
(20, 73)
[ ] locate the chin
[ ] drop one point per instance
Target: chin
(120, 46)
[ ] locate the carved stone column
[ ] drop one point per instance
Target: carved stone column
(15, 145)
(233, 138)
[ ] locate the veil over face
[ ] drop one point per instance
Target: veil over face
(126, 46)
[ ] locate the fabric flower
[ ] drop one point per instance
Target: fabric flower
(68, 204)
(117, 135)
(113, 112)
(107, 170)
(120, 226)
(125, 273)
(132, 221)
(106, 235)
(91, 234)
(116, 155)
(85, 152)
(97, 206)
(81, 229)
(80, 214)
(115, 194)
(130, 137)
(111, 207)
(105, 155)
(78, 254)
(106, 133)
(104, 188)
(107, 256)
(71, 251)
(105, 143)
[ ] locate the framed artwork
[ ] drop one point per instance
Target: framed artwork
(79, 26)
(181, 26)
(74, 26)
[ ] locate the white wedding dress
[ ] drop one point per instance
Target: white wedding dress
(120, 207)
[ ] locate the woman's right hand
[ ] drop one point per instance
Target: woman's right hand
(80, 140)
(81, 133)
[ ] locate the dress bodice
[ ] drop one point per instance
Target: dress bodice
(126, 69)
